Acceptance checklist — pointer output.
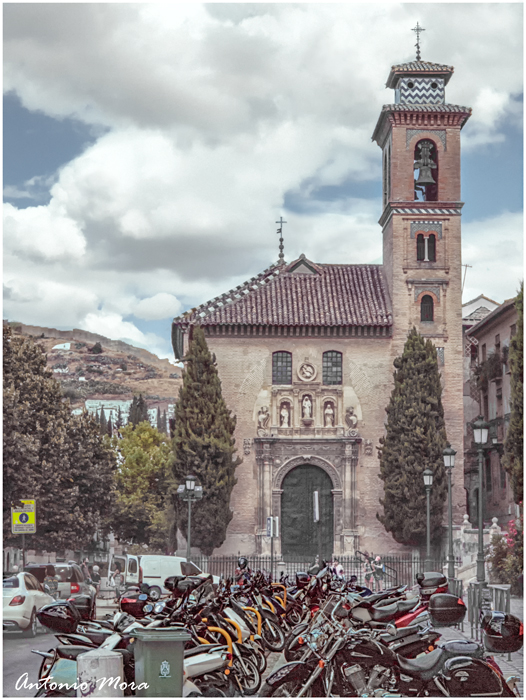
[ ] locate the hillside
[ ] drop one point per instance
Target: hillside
(120, 371)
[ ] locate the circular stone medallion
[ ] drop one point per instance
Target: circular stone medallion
(307, 372)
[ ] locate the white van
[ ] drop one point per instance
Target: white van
(153, 569)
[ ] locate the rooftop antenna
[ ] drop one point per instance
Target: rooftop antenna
(417, 30)
(281, 258)
(464, 280)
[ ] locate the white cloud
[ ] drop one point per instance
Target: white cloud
(42, 232)
(160, 306)
(113, 326)
(494, 249)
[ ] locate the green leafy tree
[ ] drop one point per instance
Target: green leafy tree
(141, 485)
(415, 439)
(49, 455)
(514, 443)
(204, 445)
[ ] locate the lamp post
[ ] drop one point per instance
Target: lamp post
(190, 491)
(449, 462)
(480, 437)
(428, 482)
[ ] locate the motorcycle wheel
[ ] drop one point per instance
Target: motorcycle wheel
(295, 615)
(289, 689)
(257, 657)
(248, 675)
(272, 635)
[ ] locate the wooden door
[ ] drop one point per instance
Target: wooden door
(301, 537)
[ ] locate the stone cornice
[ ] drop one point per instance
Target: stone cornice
(420, 209)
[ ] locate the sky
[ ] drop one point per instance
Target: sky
(149, 149)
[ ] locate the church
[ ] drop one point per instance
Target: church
(305, 350)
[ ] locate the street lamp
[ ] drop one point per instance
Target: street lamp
(428, 482)
(449, 462)
(480, 437)
(190, 491)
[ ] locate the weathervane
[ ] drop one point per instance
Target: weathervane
(417, 30)
(281, 258)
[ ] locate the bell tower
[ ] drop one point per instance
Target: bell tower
(419, 134)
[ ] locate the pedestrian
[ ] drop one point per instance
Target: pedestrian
(85, 568)
(368, 570)
(116, 580)
(378, 572)
(337, 568)
(51, 581)
(95, 577)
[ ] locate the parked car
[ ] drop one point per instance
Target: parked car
(153, 569)
(23, 597)
(72, 582)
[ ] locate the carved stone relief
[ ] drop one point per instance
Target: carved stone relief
(368, 447)
(247, 442)
(307, 372)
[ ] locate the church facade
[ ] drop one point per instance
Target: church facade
(305, 351)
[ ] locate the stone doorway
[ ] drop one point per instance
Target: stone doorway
(301, 537)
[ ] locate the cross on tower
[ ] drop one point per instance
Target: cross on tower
(417, 30)
(280, 231)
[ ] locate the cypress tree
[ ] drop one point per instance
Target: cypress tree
(119, 422)
(514, 443)
(204, 445)
(159, 424)
(163, 423)
(103, 423)
(415, 439)
(109, 428)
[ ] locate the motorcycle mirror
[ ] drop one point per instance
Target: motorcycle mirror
(391, 629)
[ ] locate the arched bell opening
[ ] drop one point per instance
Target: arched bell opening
(426, 162)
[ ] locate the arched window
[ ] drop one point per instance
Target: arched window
(420, 247)
(426, 308)
(432, 248)
(281, 368)
(332, 367)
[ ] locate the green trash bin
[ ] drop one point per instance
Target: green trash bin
(159, 657)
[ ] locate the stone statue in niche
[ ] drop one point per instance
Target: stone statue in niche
(284, 415)
(328, 415)
(306, 407)
(263, 420)
(351, 419)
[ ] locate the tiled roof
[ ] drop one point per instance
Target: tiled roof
(418, 67)
(329, 295)
(425, 108)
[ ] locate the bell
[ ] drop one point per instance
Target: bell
(425, 177)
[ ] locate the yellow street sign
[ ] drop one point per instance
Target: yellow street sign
(23, 518)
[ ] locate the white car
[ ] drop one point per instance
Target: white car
(23, 597)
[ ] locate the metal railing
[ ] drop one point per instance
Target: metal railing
(397, 570)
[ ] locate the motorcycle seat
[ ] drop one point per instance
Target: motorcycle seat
(400, 634)
(384, 613)
(203, 649)
(425, 666)
(406, 605)
(71, 651)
